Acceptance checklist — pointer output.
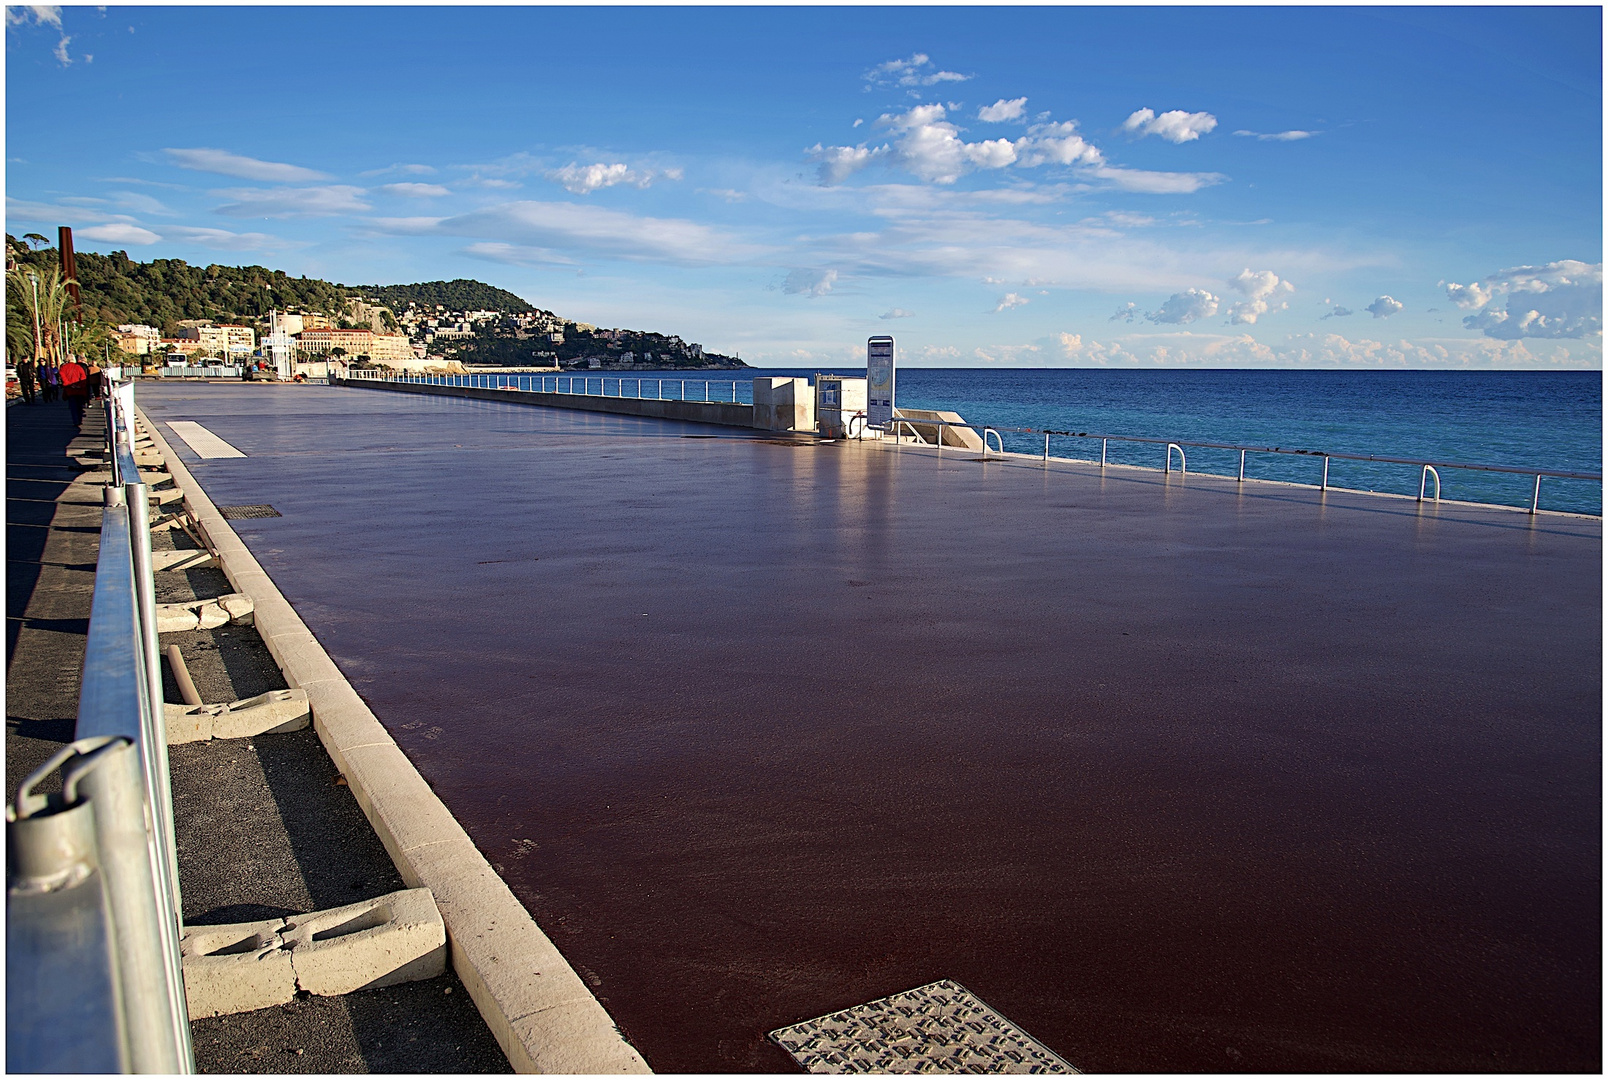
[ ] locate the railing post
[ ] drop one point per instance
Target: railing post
(1325, 485)
(1046, 449)
(1535, 499)
(1102, 453)
(1242, 467)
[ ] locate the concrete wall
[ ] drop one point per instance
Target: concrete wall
(784, 405)
(697, 412)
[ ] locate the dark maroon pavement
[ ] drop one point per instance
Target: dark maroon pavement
(1176, 776)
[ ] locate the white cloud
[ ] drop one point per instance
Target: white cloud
(1278, 136)
(1071, 345)
(1008, 301)
(1126, 313)
(810, 282)
(223, 239)
(1469, 297)
(225, 163)
(1338, 312)
(516, 254)
(1259, 287)
(415, 191)
(1146, 182)
(1176, 126)
(585, 179)
(912, 72)
(1056, 144)
(43, 15)
(838, 163)
(1003, 110)
(293, 202)
(400, 167)
(1559, 300)
(1185, 307)
(1384, 307)
(119, 234)
(573, 229)
(897, 313)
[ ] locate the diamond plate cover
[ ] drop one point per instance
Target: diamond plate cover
(260, 510)
(938, 1028)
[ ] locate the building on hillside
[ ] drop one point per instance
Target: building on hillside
(225, 339)
(137, 339)
(380, 348)
(183, 346)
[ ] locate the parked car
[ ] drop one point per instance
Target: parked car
(13, 387)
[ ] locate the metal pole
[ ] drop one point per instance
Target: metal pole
(1325, 485)
(1535, 499)
(153, 724)
(1046, 449)
(1102, 453)
(1242, 467)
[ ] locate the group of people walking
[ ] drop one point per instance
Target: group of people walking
(73, 382)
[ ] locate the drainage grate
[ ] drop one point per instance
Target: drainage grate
(938, 1028)
(263, 510)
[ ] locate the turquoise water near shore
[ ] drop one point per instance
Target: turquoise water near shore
(1540, 419)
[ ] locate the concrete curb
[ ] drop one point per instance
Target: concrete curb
(541, 1012)
(724, 413)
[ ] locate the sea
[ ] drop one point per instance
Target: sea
(1550, 420)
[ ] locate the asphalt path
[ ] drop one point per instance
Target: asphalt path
(1176, 775)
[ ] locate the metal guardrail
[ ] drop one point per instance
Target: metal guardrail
(94, 980)
(202, 371)
(1170, 445)
(723, 391)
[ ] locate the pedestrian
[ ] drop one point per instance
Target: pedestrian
(50, 381)
(75, 388)
(25, 381)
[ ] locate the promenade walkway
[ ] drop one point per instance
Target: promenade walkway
(263, 829)
(1176, 775)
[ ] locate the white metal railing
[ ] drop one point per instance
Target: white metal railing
(715, 391)
(1430, 468)
(94, 980)
(201, 371)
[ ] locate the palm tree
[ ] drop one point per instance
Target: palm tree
(42, 302)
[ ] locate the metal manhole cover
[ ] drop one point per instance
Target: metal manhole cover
(260, 511)
(938, 1028)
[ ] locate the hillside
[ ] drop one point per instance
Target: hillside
(461, 294)
(165, 292)
(161, 293)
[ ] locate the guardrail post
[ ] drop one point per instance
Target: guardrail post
(1325, 485)
(1535, 498)
(1102, 453)
(1242, 467)
(1046, 448)
(1183, 462)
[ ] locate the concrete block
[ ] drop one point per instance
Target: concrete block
(204, 614)
(172, 618)
(963, 438)
(238, 608)
(396, 938)
(162, 498)
(236, 968)
(391, 939)
(265, 714)
(784, 405)
(179, 560)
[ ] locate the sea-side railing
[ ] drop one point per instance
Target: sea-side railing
(731, 391)
(94, 981)
(901, 427)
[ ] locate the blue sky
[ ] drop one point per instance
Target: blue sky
(994, 186)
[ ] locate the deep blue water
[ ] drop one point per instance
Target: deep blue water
(1543, 420)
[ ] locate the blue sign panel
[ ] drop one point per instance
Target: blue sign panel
(879, 381)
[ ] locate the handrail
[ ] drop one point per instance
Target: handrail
(566, 384)
(116, 790)
(1000, 442)
(1326, 455)
(1183, 462)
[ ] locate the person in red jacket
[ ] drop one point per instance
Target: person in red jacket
(75, 388)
